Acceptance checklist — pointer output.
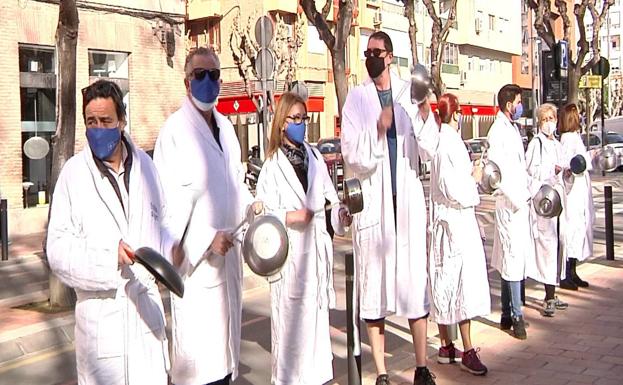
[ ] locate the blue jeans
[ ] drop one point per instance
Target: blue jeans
(511, 298)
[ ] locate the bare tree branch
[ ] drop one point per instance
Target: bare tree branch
(439, 34)
(561, 5)
(316, 19)
(410, 15)
(327, 8)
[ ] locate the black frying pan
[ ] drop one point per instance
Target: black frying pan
(161, 269)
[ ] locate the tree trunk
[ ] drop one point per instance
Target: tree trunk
(63, 141)
(573, 83)
(338, 60)
(410, 15)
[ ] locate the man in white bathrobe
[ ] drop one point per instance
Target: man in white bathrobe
(383, 134)
(513, 244)
(198, 157)
(106, 203)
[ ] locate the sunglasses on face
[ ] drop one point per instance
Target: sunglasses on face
(376, 52)
(299, 118)
(200, 74)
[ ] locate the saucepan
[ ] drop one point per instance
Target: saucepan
(577, 164)
(491, 175)
(161, 269)
(607, 159)
(547, 202)
(265, 245)
(353, 198)
(420, 84)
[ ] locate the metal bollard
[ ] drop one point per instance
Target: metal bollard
(354, 352)
(609, 223)
(4, 229)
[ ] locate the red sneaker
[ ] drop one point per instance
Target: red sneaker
(449, 354)
(471, 362)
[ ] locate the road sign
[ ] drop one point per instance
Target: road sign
(590, 81)
(264, 31)
(264, 63)
(602, 67)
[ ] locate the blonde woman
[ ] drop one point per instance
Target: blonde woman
(544, 159)
(294, 185)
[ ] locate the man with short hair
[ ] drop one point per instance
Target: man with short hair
(198, 156)
(383, 134)
(513, 246)
(107, 202)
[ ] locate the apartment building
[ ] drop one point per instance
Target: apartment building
(140, 48)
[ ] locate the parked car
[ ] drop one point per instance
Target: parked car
(613, 139)
(475, 147)
(331, 150)
(612, 125)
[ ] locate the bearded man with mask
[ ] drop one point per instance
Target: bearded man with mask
(107, 202)
(198, 157)
(513, 244)
(383, 135)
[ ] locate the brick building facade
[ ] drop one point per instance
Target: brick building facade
(141, 48)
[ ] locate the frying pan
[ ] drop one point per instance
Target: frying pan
(547, 202)
(265, 245)
(353, 198)
(161, 269)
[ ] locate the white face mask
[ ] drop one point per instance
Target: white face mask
(203, 106)
(548, 128)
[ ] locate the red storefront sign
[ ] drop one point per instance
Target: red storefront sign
(241, 104)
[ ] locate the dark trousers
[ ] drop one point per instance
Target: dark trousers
(224, 381)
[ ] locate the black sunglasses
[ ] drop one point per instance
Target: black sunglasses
(200, 74)
(373, 52)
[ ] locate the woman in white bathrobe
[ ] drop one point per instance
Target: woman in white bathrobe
(294, 185)
(457, 265)
(544, 159)
(577, 238)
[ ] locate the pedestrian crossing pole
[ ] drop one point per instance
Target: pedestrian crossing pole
(609, 223)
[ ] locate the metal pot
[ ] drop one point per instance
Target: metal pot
(547, 202)
(265, 245)
(577, 164)
(491, 177)
(420, 84)
(353, 198)
(161, 269)
(608, 160)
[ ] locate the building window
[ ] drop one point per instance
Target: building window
(38, 117)
(451, 54)
(205, 32)
(483, 65)
(470, 63)
(615, 42)
(491, 22)
(113, 66)
(315, 43)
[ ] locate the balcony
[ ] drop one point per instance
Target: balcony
(199, 9)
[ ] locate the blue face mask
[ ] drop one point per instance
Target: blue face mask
(205, 92)
(103, 141)
(518, 112)
(296, 132)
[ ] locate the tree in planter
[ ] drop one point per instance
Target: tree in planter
(64, 139)
(335, 39)
(544, 25)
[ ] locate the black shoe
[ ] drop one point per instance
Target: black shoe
(383, 379)
(568, 284)
(423, 376)
(506, 322)
(519, 328)
(579, 281)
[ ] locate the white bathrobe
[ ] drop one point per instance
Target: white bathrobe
(192, 166)
(577, 237)
(457, 264)
(543, 155)
(390, 259)
(300, 300)
(120, 324)
(513, 245)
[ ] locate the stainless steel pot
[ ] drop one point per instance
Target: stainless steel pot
(608, 160)
(161, 269)
(265, 245)
(353, 198)
(547, 202)
(491, 177)
(420, 84)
